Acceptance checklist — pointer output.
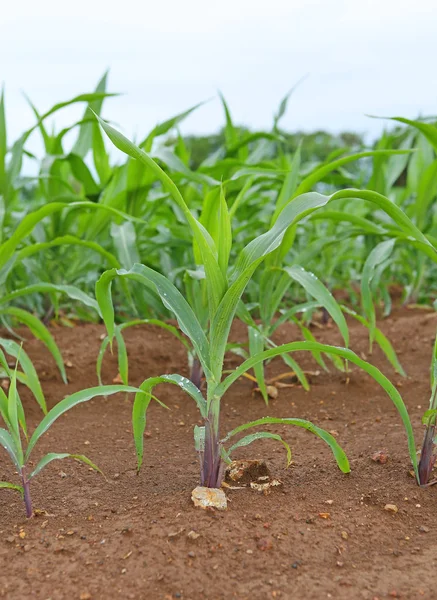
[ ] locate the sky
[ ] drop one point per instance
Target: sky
(360, 58)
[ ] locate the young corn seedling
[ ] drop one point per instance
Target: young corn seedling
(225, 288)
(428, 455)
(11, 411)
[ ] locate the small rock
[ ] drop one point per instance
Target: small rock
(345, 535)
(192, 554)
(272, 391)
(117, 379)
(68, 364)
(249, 551)
(85, 596)
(209, 498)
(340, 564)
(10, 539)
(193, 535)
(380, 456)
(325, 515)
(330, 502)
(423, 529)
(391, 508)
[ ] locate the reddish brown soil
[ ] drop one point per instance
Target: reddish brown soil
(127, 536)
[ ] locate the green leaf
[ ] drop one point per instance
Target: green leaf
(165, 126)
(215, 281)
(256, 345)
(310, 180)
(66, 240)
(125, 241)
(32, 381)
(382, 341)
(215, 218)
(71, 291)
(143, 399)
(11, 486)
(345, 354)
(82, 173)
(13, 408)
(429, 416)
(315, 288)
(40, 331)
(123, 364)
(284, 103)
(337, 451)
(48, 458)
(7, 441)
(378, 255)
(428, 130)
(85, 138)
(28, 223)
(231, 135)
(249, 259)
(248, 439)
(100, 156)
(171, 298)
(294, 366)
(289, 186)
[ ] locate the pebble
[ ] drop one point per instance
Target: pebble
(423, 529)
(381, 457)
(204, 497)
(391, 508)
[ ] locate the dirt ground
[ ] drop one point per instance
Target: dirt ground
(322, 535)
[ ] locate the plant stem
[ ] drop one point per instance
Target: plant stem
(212, 468)
(26, 490)
(427, 459)
(196, 372)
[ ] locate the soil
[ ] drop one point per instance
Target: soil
(322, 534)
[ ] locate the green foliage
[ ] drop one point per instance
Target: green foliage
(264, 226)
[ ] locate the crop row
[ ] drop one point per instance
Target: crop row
(253, 233)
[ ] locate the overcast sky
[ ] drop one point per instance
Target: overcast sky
(362, 57)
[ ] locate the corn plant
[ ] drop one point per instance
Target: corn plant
(11, 437)
(428, 456)
(224, 288)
